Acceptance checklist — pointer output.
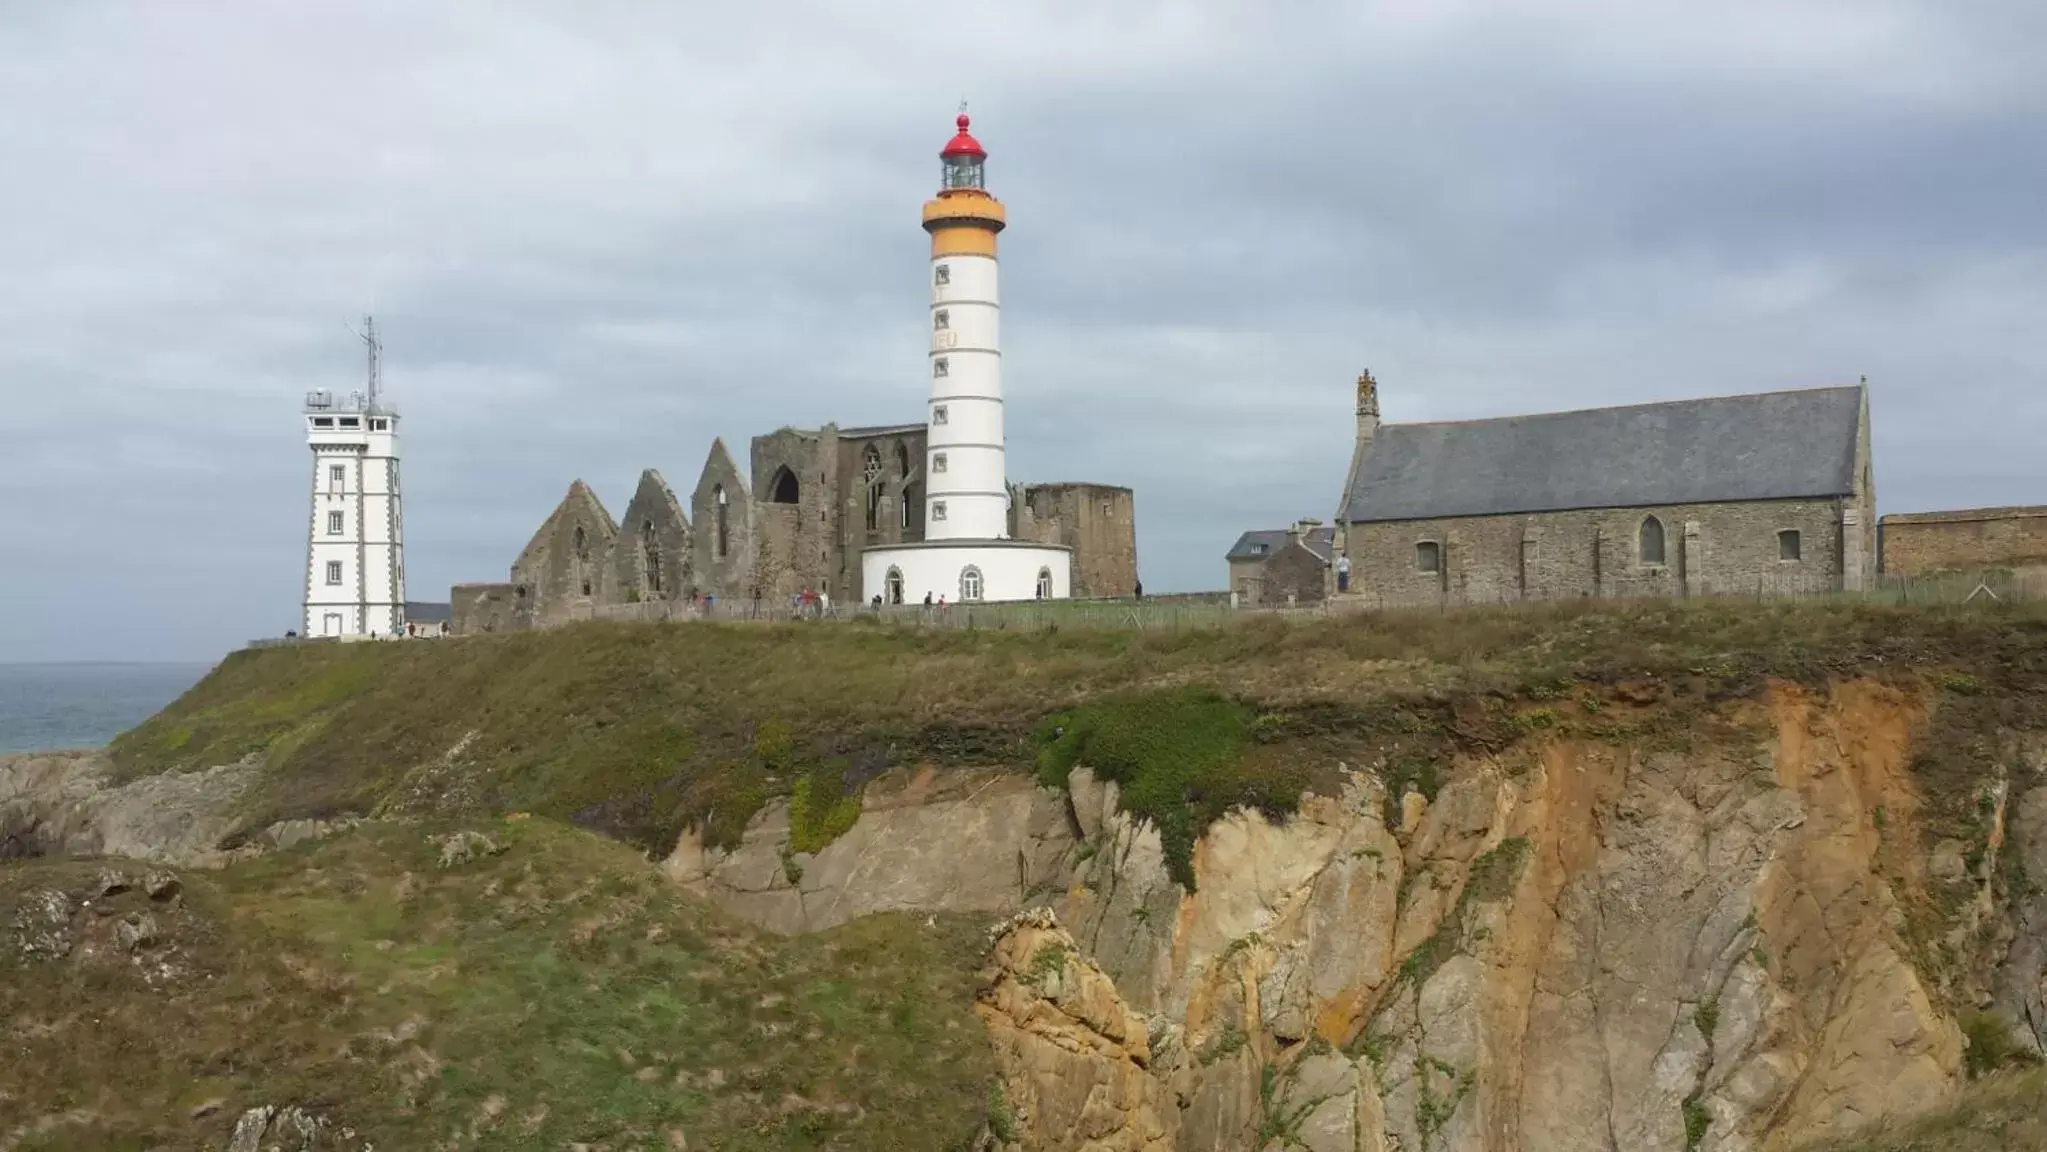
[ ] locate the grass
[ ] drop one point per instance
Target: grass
(639, 730)
(557, 992)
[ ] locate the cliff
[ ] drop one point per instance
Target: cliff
(1716, 877)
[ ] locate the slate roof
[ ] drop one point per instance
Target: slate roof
(1767, 446)
(1320, 541)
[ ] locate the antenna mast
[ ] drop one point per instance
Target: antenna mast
(376, 355)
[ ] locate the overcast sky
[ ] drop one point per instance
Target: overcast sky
(597, 235)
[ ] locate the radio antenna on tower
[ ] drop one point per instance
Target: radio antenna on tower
(963, 105)
(368, 336)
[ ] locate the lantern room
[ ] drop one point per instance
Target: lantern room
(963, 159)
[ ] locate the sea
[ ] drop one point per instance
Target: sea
(49, 706)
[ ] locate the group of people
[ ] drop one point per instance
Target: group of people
(813, 604)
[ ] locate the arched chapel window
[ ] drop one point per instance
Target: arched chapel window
(783, 489)
(650, 550)
(870, 472)
(1044, 583)
(1651, 543)
(723, 541)
(970, 583)
(895, 585)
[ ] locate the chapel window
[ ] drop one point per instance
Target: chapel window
(1650, 545)
(718, 498)
(1428, 556)
(1788, 544)
(783, 490)
(895, 585)
(1044, 583)
(650, 551)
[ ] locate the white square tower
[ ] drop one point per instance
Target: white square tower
(355, 547)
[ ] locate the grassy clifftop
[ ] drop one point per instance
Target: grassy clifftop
(637, 730)
(537, 987)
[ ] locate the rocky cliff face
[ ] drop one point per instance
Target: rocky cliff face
(1737, 933)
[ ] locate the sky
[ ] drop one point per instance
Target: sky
(595, 236)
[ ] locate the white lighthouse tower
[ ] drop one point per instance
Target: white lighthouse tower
(355, 549)
(966, 554)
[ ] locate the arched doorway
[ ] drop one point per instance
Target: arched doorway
(1044, 583)
(895, 585)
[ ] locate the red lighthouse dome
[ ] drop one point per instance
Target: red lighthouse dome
(963, 144)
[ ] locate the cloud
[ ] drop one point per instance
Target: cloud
(597, 237)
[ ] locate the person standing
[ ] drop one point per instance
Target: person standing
(1343, 573)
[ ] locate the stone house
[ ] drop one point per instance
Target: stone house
(1283, 565)
(1968, 540)
(1759, 494)
(797, 517)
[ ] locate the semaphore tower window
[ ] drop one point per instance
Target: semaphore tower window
(1650, 544)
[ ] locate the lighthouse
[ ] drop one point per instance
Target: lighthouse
(355, 542)
(966, 555)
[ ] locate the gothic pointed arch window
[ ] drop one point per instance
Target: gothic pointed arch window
(650, 555)
(1650, 541)
(970, 583)
(902, 461)
(783, 489)
(723, 540)
(895, 585)
(870, 473)
(1044, 583)
(582, 544)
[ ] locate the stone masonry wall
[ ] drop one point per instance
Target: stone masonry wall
(1489, 559)
(1292, 570)
(479, 608)
(1097, 521)
(798, 543)
(724, 571)
(1965, 541)
(901, 485)
(566, 567)
(652, 558)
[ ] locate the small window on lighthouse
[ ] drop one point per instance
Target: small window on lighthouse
(938, 414)
(941, 320)
(938, 462)
(333, 571)
(942, 275)
(938, 509)
(378, 425)
(333, 523)
(338, 475)
(939, 367)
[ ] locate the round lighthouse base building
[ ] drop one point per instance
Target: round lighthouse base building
(968, 571)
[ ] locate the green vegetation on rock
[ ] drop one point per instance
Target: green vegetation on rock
(1177, 755)
(547, 988)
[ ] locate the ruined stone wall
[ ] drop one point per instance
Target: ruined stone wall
(721, 510)
(566, 567)
(1968, 540)
(1490, 559)
(1293, 570)
(798, 542)
(897, 500)
(479, 608)
(652, 558)
(1097, 521)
